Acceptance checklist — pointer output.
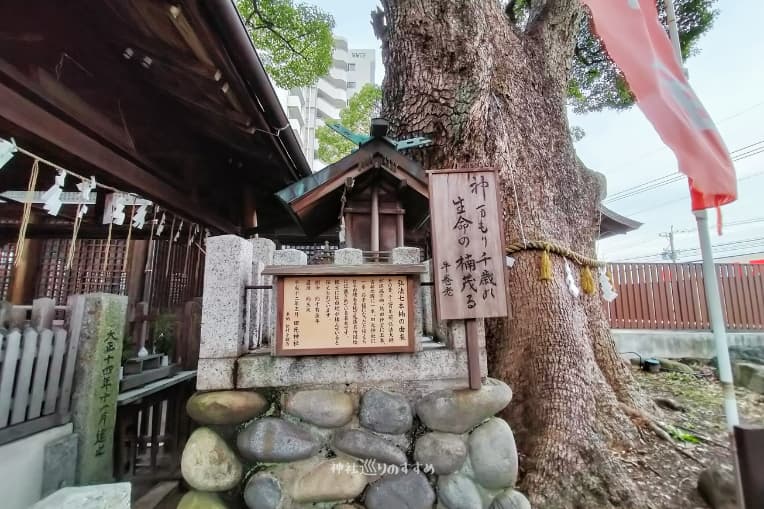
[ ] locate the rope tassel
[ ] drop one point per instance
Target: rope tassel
(587, 280)
(546, 266)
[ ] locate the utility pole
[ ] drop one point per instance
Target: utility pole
(672, 253)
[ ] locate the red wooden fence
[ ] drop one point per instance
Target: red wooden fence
(672, 296)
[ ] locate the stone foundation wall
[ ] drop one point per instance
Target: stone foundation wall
(347, 446)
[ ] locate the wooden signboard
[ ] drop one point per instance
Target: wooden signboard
(324, 314)
(468, 244)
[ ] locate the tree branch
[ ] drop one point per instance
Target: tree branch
(378, 23)
(553, 26)
(272, 28)
(510, 11)
(551, 13)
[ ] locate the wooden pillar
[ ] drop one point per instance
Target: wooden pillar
(400, 236)
(24, 276)
(348, 229)
(375, 219)
(136, 265)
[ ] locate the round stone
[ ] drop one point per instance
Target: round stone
(200, 500)
(459, 411)
(493, 454)
(225, 407)
(332, 480)
(445, 452)
(208, 464)
(401, 491)
(325, 408)
(510, 499)
(365, 445)
(263, 491)
(385, 412)
(272, 440)
(458, 492)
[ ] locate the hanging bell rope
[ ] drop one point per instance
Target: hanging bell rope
(27, 213)
(73, 242)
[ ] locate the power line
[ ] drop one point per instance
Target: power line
(653, 207)
(663, 147)
(670, 178)
(723, 247)
(731, 223)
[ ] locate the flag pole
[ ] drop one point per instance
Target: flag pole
(713, 299)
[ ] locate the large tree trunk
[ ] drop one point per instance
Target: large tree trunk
(458, 72)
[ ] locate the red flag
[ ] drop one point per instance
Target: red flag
(638, 44)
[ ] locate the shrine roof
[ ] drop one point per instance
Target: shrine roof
(314, 201)
(167, 99)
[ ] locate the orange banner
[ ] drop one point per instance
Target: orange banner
(640, 47)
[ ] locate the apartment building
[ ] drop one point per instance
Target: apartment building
(308, 107)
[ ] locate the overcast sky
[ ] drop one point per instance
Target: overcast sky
(728, 76)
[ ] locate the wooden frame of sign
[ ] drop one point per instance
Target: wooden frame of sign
(324, 334)
(469, 260)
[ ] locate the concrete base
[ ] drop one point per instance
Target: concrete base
(21, 467)
(679, 344)
(430, 364)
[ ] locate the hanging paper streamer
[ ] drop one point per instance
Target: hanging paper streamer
(7, 149)
(192, 234)
(27, 213)
(571, 282)
(160, 227)
(177, 232)
(608, 293)
(118, 210)
(85, 188)
(127, 243)
(52, 197)
(139, 217)
(510, 262)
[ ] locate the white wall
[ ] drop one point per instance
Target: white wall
(21, 468)
(678, 344)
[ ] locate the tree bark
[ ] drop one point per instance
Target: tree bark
(487, 93)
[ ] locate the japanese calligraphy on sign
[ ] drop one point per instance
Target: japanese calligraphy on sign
(331, 314)
(467, 238)
(105, 390)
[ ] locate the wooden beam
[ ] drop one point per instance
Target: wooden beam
(167, 83)
(10, 231)
(27, 115)
(346, 270)
(187, 33)
(75, 106)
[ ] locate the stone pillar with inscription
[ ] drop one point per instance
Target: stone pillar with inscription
(227, 270)
(100, 320)
(260, 325)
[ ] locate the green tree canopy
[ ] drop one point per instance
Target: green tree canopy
(355, 116)
(295, 39)
(596, 83)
